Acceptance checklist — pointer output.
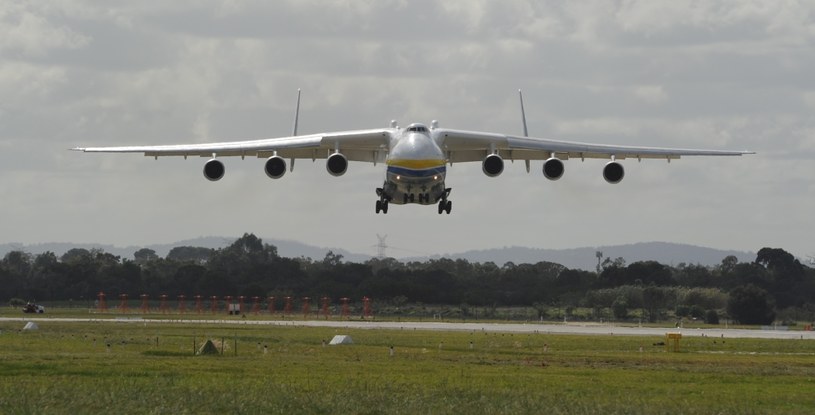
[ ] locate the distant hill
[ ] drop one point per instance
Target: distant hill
(577, 258)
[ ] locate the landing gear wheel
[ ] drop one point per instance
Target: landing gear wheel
(384, 207)
(378, 206)
(445, 206)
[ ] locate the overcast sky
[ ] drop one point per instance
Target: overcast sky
(734, 75)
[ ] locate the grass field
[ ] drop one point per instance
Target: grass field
(150, 368)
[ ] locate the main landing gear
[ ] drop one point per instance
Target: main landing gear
(444, 204)
(382, 203)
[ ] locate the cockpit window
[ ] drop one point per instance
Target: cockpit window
(417, 128)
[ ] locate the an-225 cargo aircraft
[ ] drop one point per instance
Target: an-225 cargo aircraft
(416, 156)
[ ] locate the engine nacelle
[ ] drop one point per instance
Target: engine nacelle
(493, 165)
(275, 167)
(553, 168)
(214, 170)
(613, 172)
(337, 164)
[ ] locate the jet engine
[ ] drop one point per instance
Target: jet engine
(613, 172)
(553, 168)
(214, 170)
(275, 167)
(493, 165)
(337, 164)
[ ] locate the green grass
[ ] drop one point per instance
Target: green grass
(150, 368)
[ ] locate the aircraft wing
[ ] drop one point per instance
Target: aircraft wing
(464, 146)
(359, 145)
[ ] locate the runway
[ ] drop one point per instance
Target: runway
(600, 329)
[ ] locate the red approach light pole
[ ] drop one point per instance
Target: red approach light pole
(101, 305)
(162, 305)
(199, 307)
(287, 306)
(123, 303)
(213, 304)
(326, 301)
(346, 311)
(306, 307)
(256, 305)
(271, 305)
(367, 307)
(240, 304)
(144, 298)
(228, 300)
(182, 304)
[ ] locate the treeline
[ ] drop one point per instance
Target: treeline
(775, 285)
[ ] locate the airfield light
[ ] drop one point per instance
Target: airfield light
(240, 304)
(123, 303)
(398, 177)
(228, 300)
(182, 304)
(346, 311)
(144, 298)
(213, 304)
(256, 305)
(306, 306)
(199, 307)
(287, 306)
(325, 302)
(101, 305)
(271, 305)
(366, 302)
(163, 304)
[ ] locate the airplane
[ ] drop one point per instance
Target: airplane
(416, 157)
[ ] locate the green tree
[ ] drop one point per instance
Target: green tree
(620, 308)
(751, 305)
(145, 255)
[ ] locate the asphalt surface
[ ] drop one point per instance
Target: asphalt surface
(603, 329)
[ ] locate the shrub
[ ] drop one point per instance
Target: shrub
(711, 317)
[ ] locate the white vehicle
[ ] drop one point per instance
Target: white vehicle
(416, 156)
(33, 308)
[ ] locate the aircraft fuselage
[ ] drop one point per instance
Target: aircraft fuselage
(416, 168)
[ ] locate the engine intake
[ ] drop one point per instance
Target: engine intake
(613, 172)
(553, 168)
(337, 164)
(275, 167)
(493, 165)
(214, 170)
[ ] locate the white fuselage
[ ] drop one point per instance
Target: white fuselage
(416, 168)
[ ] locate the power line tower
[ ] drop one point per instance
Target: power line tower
(599, 258)
(381, 247)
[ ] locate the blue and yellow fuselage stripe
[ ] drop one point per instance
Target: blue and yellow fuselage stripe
(417, 168)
